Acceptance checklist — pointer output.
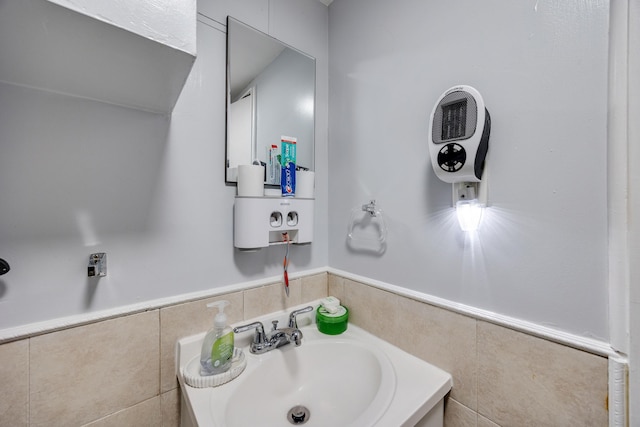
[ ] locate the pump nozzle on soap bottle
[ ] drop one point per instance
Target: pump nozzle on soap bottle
(220, 321)
(218, 344)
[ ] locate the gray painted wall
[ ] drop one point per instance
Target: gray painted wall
(541, 66)
(79, 176)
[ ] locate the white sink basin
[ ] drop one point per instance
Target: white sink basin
(352, 379)
(340, 382)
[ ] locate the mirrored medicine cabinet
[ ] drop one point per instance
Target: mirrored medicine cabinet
(270, 94)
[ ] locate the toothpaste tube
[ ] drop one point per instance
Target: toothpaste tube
(288, 166)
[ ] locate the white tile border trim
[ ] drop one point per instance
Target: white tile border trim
(39, 328)
(582, 343)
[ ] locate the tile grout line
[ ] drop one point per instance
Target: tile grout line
(29, 381)
(477, 373)
(159, 357)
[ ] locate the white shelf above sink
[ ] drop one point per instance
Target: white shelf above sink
(98, 54)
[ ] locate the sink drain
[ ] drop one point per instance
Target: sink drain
(298, 415)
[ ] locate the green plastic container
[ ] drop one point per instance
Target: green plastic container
(332, 323)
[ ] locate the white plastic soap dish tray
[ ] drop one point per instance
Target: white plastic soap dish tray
(191, 372)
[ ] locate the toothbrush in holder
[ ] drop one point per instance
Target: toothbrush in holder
(285, 264)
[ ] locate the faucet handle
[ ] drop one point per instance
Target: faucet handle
(259, 337)
(293, 323)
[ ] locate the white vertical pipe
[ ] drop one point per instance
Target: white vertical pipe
(618, 209)
(617, 170)
(633, 134)
(618, 377)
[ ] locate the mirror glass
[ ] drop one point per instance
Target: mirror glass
(270, 94)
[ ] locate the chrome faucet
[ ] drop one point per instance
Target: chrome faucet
(264, 342)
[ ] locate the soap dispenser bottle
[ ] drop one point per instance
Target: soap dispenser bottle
(217, 348)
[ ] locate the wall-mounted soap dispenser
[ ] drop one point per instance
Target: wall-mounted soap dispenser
(259, 222)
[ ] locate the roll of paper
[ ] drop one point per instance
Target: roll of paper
(305, 184)
(250, 180)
